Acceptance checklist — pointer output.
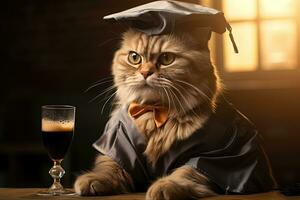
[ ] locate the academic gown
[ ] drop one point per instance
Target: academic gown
(227, 149)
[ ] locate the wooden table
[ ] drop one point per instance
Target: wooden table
(29, 194)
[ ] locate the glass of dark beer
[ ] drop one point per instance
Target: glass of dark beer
(57, 131)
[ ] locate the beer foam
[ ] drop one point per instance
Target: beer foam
(57, 126)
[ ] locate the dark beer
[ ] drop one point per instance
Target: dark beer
(57, 143)
(57, 137)
(57, 132)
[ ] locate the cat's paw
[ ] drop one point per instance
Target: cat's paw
(166, 189)
(90, 184)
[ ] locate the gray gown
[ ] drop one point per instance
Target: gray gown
(227, 149)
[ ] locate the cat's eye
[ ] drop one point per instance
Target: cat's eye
(166, 58)
(134, 58)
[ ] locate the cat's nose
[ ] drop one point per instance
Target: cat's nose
(147, 70)
(146, 73)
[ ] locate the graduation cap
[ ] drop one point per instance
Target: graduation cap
(162, 17)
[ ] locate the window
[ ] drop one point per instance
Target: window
(267, 35)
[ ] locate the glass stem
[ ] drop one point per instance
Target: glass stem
(56, 172)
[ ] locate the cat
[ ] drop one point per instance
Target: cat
(172, 72)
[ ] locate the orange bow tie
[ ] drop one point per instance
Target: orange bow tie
(160, 113)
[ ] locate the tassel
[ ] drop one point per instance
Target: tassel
(236, 50)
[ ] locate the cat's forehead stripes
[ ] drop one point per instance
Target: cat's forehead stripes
(153, 47)
(150, 47)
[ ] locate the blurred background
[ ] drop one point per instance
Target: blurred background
(52, 51)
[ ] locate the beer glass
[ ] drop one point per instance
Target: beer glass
(57, 132)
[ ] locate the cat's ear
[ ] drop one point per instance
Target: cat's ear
(201, 35)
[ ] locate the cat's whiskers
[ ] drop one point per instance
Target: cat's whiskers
(179, 92)
(133, 84)
(110, 88)
(179, 102)
(187, 104)
(132, 81)
(108, 101)
(202, 94)
(98, 84)
(170, 87)
(197, 115)
(195, 88)
(182, 96)
(211, 100)
(159, 84)
(169, 105)
(107, 90)
(125, 83)
(163, 88)
(172, 102)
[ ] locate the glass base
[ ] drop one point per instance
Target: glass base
(63, 192)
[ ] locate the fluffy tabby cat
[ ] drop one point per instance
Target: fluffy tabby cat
(173, 71)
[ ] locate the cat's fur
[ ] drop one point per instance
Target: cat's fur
(188, 87)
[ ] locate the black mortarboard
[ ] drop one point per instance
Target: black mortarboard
(161, 17)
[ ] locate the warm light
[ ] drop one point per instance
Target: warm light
(265, 32)
(278, 44)
(240, 9)
(246, 38)
(277, 8)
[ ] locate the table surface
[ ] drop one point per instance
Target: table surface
(30, 194)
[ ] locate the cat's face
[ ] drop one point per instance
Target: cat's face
(168, 70)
